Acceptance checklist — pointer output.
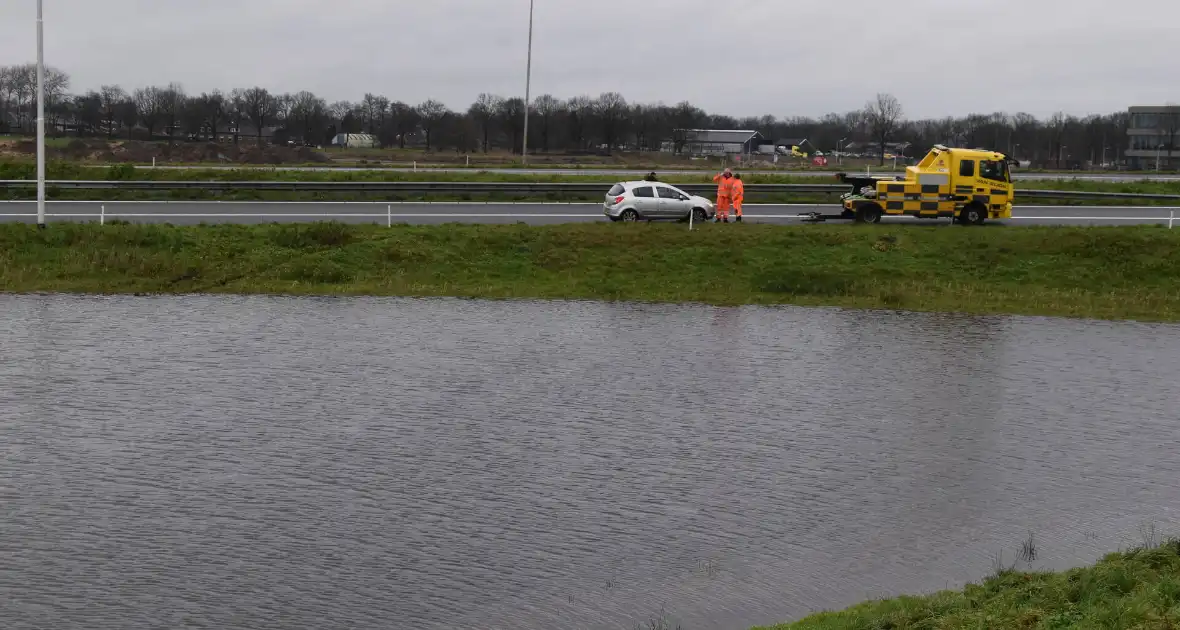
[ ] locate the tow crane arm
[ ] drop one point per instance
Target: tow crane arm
(864, 185)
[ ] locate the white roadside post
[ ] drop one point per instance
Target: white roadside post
(40, 118)
(389, 215)
(1171, 218)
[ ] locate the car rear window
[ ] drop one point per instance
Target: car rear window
(644, 191)
(617, 189)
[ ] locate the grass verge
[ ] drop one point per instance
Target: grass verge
(1135, 589)
(1115, 273)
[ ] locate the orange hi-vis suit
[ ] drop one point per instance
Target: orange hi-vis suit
(724, 194)
(738, 195)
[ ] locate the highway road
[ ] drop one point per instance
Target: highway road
(639, 173)
(192, 213)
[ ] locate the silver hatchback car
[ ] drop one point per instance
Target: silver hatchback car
(634, 201)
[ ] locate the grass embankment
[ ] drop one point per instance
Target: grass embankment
(72, 171)
(1121, 272)
(1136, 589)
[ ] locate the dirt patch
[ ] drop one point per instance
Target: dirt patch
(136, 151)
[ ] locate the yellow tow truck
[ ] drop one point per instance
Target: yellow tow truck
(968, 185)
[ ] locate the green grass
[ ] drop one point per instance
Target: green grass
(1137, 589)
(1118, 272)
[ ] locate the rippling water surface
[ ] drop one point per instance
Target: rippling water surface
(229, 462)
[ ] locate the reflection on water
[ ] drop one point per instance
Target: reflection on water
(317, 463)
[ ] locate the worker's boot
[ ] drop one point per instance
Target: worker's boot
(739, 219)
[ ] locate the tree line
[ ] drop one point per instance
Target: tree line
(581, 124)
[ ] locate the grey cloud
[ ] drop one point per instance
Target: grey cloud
(741, 57)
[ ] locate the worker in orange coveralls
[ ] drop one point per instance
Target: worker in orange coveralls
(738, 195)
(724, 195)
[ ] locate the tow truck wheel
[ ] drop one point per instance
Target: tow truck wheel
(868, 213)
(973, 214)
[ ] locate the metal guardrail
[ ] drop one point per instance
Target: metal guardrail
(536, 188)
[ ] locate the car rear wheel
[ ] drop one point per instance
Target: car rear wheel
(629, 215)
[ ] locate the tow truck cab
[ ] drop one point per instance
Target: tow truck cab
(967, 185)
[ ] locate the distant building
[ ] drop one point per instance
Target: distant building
(227, 131)
(355, 140)
(717, 141)
(1153, 137)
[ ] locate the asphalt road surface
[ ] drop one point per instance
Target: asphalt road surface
(639, 173)
(192, 213)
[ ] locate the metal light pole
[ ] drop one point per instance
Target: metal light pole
(40, 118)
(528, 80)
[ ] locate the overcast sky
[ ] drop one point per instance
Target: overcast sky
(741, 57)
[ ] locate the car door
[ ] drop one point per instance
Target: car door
(672, 202)
(646, 202)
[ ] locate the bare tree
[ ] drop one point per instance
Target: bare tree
(149, 103)
(235, 112)
(510, 115)
(308, 115)
(1056, 127)
(548, 109)
(611, 110)
(259, 107)
(21, 85)
(192, 118)
(404, 121)
(7, 90)
(127, 114)
(432, 114)
(346, 117)
(685, 116)
(213, 108)
(172, 102)
(87, 113)
(483, 111)
(374, 110)
(112, 96)
(581, 110)
(573, 125)
(883, 116)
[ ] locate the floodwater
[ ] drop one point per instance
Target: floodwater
(256, 462)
